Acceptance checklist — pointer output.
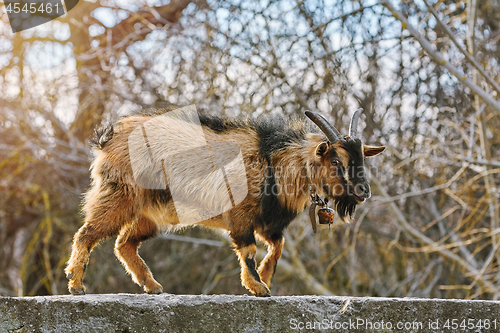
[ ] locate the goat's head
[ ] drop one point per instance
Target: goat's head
(337, 168)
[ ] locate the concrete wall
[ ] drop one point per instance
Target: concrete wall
(227, 313)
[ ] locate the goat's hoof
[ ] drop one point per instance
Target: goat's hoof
(155, 291)
(151, 286)
(264, 292)
(77, 291)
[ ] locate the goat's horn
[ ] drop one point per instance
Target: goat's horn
(353, 127)
(330, 131)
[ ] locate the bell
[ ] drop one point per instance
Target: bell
(325, 215)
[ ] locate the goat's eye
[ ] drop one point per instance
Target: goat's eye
(335, 162)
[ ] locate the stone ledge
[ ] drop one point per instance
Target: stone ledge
(229, 313)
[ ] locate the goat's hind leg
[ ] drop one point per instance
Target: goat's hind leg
(126, 250)
(105, 214)
(88, 236)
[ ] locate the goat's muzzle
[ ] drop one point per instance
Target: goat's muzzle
(361, 192)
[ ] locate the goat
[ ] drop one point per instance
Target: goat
(281, 162)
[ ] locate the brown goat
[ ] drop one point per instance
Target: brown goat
(137, 192)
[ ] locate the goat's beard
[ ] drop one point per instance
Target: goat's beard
(345, 206)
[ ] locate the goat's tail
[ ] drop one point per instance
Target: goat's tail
(102, 136)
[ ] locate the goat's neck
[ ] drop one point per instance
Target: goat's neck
(291, 176)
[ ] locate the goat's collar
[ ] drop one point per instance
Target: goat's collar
(325, 214)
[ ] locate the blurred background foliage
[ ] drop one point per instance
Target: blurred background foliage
(432, 227)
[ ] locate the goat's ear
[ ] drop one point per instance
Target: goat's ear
(321, 149)
(372, 150)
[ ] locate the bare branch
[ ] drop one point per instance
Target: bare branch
(439, 59)
(469, 57)
(403, 223)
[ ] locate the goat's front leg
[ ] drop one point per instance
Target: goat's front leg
(267, 266)
(246, 250)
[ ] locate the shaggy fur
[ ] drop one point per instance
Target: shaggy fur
(281, 161)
